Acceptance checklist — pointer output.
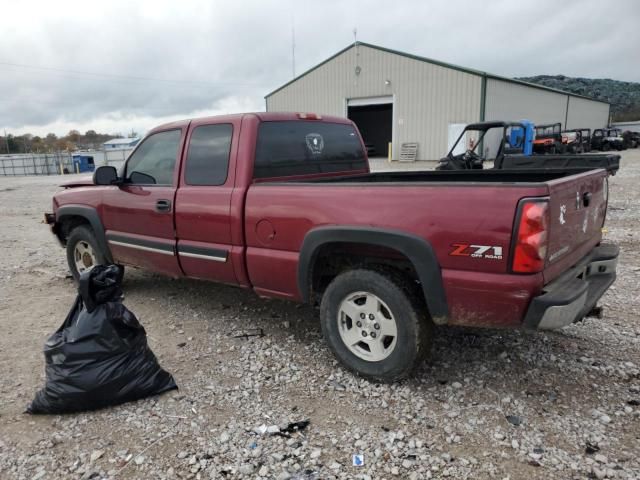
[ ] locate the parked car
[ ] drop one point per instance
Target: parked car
(548, 139)
(284, 204)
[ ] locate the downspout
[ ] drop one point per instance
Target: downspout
(483, 97)
(566, 113)
(483, 107)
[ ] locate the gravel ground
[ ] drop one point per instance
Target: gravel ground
(488, 404)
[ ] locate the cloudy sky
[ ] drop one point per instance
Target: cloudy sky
(123, 65)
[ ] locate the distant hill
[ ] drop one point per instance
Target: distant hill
(624, 97)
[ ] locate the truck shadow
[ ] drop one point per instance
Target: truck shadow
(459, 354)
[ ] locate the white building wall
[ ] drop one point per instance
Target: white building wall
(427, 97)
(585, 113)
(512, 101)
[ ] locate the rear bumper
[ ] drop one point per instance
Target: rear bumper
(569, 298)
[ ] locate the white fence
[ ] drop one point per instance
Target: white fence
(35, 164)
(55, 163)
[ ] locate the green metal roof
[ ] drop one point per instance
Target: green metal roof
(434, 62)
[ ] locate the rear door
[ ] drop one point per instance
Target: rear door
(577, 207)
(203, 201)
(138, 215)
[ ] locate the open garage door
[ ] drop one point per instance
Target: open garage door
(374, 118)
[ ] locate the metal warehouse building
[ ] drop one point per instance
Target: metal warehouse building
(401, 98)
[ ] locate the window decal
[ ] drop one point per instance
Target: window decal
(315, 143)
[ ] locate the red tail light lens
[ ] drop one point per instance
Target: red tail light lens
(530, 250)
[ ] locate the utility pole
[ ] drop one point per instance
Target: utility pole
(6, 139)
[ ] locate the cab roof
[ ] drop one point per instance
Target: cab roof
(262, 116)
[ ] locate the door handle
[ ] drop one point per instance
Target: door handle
(163, 205)
(586, 199)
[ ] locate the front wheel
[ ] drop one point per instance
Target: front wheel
(376, 323)
(83, 252)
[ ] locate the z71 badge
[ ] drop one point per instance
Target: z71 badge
(490, 252)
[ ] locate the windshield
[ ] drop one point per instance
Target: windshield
(469, 140)
(488, 143)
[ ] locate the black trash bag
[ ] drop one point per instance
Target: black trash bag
(99, 356)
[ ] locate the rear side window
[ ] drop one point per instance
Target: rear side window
(208, 155)
(305, 147)
(154, 161)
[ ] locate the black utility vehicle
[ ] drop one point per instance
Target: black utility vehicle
(604, 139)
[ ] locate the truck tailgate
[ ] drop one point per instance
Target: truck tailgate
(577, 207)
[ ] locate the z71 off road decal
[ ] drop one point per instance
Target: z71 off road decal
(490, 252)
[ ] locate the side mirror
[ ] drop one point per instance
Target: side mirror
(105, 175)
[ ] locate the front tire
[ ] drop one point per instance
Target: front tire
(376, 323)
(83, 252)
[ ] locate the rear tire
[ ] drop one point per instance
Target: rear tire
(376, 323)
(83, 252)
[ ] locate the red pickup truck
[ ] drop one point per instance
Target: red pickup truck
(284, 204)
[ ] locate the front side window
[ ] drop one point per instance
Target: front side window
(288, 148)
(208, 156)
(154, 161)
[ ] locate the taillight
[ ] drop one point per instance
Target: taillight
(530, 249)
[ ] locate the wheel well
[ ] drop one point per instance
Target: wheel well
(68, 223)
(337, 257)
